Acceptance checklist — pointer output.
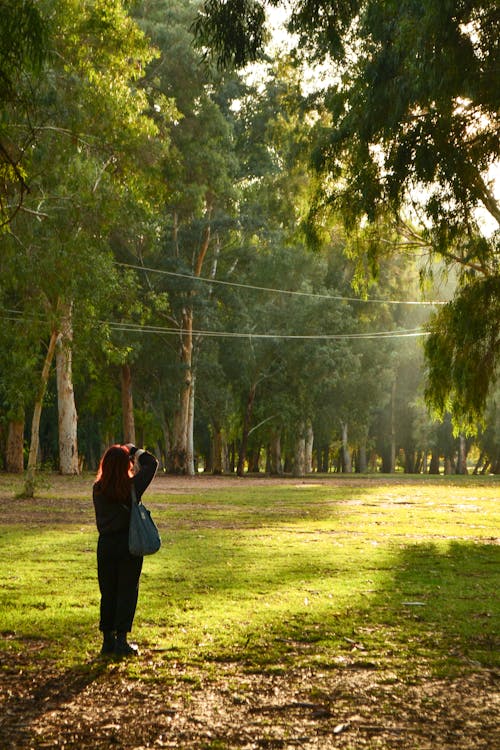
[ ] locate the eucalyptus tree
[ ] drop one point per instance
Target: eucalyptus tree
(200, 177)
(409, 131)
(93, 136)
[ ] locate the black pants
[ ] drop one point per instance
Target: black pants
(118, 572)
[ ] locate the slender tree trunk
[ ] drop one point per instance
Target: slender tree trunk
(29, 485)
(393, 429)
(323, 458)
(190, 462)
(182, 453)
(246, 428)
(127, 404)
(308, 457)
(462, 456)
(226, 463)
(68, 445)
(216, 448)
(346, 454)
(167, 440)
(180, 448)
(299, 459)
(14, 458)
(275, 463)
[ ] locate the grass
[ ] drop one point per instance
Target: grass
(395, 575)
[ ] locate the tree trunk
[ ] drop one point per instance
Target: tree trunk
(29, 485)
(167, 441)
(309, 437)
(190, 461)
(182, 453)
(180, 448)
(246, 428)
(462, 456)
(392, 468)
(479, 463)
(346, 455)
(409, 461)
(434, 464)
(127, 405)
(14, 458)
(68, 445)
(323, 458)
(362, 464)
(299, 462)
(254, 460)
(275, 464)
(232, 457)
(216, 448)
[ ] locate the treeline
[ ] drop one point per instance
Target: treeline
(157, 279)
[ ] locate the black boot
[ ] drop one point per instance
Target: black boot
(123, 648)
(108, 643)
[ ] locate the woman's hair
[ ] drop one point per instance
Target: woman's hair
(115, 473)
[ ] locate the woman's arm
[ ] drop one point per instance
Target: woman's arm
(146, 465)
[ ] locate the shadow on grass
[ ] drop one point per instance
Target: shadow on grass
(269, 591)
(412, 607)
(32, 687)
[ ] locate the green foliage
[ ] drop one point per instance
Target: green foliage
(236, 29)
(407, 129)
(22, 43)
(22, 51)
(463, 351)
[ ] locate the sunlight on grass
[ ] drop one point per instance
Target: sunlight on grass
(398, 576)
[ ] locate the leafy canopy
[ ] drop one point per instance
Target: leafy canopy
(407, 131)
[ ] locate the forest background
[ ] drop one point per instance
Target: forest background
(234, 268)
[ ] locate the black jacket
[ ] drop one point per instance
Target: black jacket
(112, 516)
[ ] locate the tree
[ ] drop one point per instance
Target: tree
(200, 175)
(94, 155)
(409, 130)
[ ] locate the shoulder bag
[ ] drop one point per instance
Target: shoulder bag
(143, 535)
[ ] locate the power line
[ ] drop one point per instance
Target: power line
(279, 291)
(18, 317)
(135, 328)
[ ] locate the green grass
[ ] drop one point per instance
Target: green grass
(399, 576)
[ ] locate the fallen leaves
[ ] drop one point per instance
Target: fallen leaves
(100, 707)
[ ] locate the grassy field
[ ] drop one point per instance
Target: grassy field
(391, 580)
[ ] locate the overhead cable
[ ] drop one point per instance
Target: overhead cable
(279, 291)
(126, 327)
(134, 328)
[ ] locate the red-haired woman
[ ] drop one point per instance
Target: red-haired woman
(119, 571)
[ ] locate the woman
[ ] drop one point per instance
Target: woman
(119, 571)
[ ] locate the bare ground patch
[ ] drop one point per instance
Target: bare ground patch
(99, 706)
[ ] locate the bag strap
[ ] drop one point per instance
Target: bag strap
(133, 494)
